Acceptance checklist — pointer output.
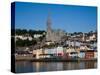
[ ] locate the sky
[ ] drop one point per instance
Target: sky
(70, 18)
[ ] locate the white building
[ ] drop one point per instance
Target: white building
(56, 50)
(37, 35)
(92, 37)
(23, 37)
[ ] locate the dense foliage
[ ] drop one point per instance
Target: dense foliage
(30, 32)
(27, 42)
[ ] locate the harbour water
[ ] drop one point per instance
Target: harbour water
(26, 66)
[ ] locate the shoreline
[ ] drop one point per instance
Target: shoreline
(55, 60)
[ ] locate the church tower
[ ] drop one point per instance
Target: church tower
(49, 29)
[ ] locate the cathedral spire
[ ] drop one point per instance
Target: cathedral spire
(49, 21)
(49, 30)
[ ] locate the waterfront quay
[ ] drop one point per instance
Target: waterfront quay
(57, 54)
(53, 59)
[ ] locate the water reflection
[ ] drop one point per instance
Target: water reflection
(25, 66)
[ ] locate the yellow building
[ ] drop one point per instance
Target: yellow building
(37, 52)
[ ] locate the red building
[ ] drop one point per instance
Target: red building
(89, 54)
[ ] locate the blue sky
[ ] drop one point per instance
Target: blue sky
(66, 17)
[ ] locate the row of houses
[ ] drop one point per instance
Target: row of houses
(91, 36)
(23, 37)
(64, 53)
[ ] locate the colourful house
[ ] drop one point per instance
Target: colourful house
(89, 54)
(81, 54)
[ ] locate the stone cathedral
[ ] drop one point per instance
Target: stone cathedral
(53, 35)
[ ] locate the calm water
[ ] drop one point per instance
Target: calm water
(25, 66)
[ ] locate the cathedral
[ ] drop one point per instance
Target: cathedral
(53, 35)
